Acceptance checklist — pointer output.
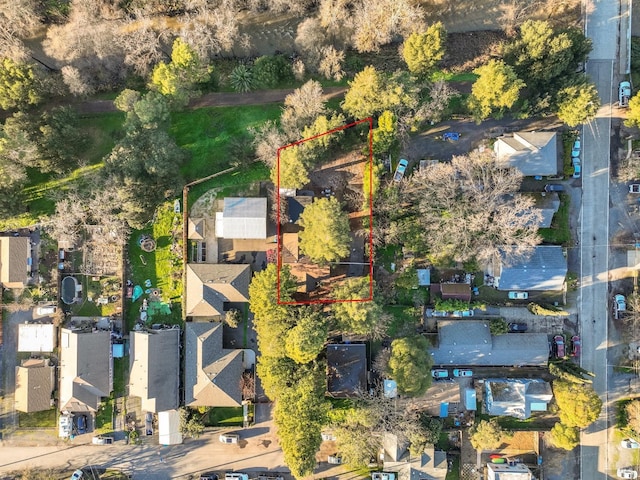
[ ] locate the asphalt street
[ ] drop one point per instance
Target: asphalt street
(602, 26)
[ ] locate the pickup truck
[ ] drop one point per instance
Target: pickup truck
(624, 93)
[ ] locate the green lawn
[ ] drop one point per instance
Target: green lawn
(162, 266)
(231, 183)
(559, 232)
(454, 473)
(404, 321)
(120, 370)
(206, 133)
(104, 422)
(44, 419)
(224, 417)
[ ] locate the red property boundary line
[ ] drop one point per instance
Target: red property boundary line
(368, 120)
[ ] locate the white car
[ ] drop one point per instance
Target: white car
(77, 475)
(229, 438)
(383, 476)
(629, 443)
(621, 302)
(518, 295)
(236, 476)
(627, 473)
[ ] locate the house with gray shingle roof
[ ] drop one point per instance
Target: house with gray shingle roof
(34, 385)
(547, 204)
(466, 343)
(212, 373)
(544, 270)
(155, 369)
(431, 464)
(212, 288)
(533, 153)
(86, 370)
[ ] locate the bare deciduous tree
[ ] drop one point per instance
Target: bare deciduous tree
(143, 44)
(302, 107)
(440, 94)
(267, 139)
(469, 209)
(75, 82)
(331, 63)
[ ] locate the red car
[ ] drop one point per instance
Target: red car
(575, 346)
(558, 342)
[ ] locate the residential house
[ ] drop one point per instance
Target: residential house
(533, 153)
(455, 291)
(242, 218)
(155, 369)
(544, 270)
(469, 343)
(212, 373)
(15, 261)
(213, 289)
(36, 337)
(346, 369)
(308, 274)
(547, 204)
(34, 385)
(196, 231)
(86, 369)
(431, 464)
(505, 471)
(517, 397)
(296, 205)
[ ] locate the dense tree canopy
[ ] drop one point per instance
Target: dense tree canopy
(469, 209)
(359, 317)
(422, 51)
(487, 435)
(496, 89)
(19, 85)
(579, 404)
(565, 437)
(410, 365)
(578, 104)
(305, 341)
(325, 237)
(291, 171)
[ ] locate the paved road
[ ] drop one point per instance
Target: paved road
(601, 25)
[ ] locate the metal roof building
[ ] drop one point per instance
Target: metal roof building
(533, 153)
(36, 337)
(545, 270)
(468, 343)
(244, 218)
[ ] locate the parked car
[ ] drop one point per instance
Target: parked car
(620, 302)
(451, 136)
(575, 346)
(624, 94)
(328, 437)
(634, 188)
(462, 313)
(459, 372)
(518, 295)
(81, 424)
(627, 473)
(46, 310)
(440, 373)
(629, 443)
(100, 440)
(400, 170)
(383, 476)
(576, 147)
(334, 459)
(553, 187)
(236, 476)
(558, 342)
(517, 327)
(148, 423)
(77, 475)
(577, 170)
(229, 438)
(209, 476)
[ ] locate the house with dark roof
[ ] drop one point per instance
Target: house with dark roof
(242, 218)
(450, 290)
(431, 464)
(154, 366)
(213, 289)
(212, 373)
(547, 204)
(34, 385)
(466, 343)
(86, 369)
(533, 153)
(346, 369)
(296, 205)
(544, 270)
(15, 261)
(516, 397)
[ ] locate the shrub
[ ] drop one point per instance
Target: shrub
(270, 71)
(241, 79)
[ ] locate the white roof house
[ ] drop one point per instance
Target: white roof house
(518, 471)
(36, 337)
(243, 218)
(533, 153)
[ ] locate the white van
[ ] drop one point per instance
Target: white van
(236, 476)
(50, 310)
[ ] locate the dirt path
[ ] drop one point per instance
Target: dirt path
(217, 99)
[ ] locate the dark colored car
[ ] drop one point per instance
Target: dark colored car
(558, 343)
(208, 476)
(575, 346)
(518, 327)
(553, 187)
(81, 424)
(148, 423)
